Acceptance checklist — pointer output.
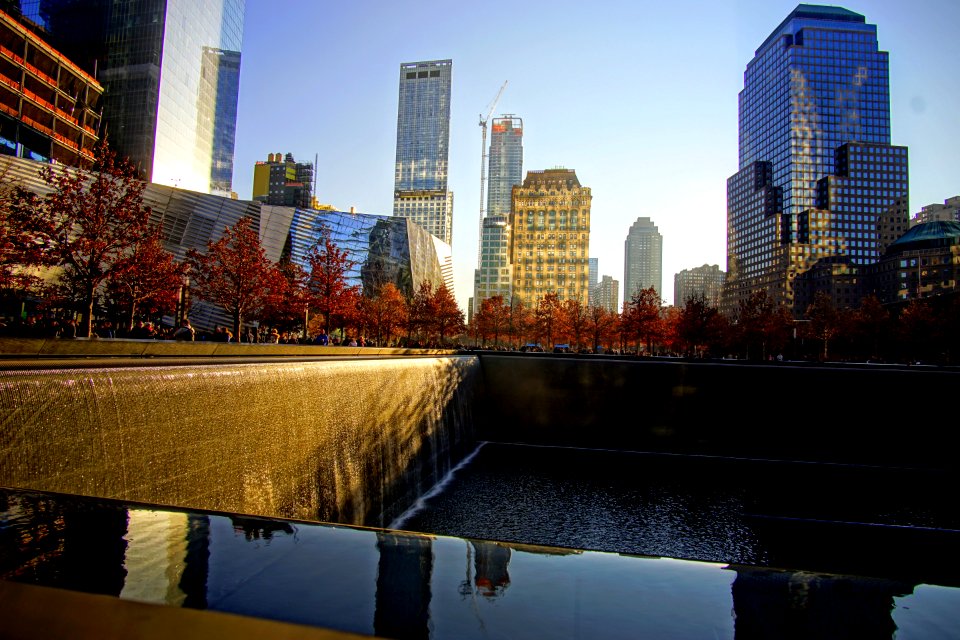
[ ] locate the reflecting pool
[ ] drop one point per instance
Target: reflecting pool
(410, 585)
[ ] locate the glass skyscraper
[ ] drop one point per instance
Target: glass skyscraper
(493, 274)
(171, 76)
(423, 145)
(817, 173)
(642, 258)
(505, 163)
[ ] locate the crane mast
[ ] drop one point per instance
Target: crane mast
(483, 168)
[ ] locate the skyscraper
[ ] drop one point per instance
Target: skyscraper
(493, 275)
(550, 238)
(506, 163)
(423, 144)
(170, 71)
(642, 258)
(817, 175)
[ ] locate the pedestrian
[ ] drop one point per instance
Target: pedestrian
(185, 332)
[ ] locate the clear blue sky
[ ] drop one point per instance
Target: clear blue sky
(640, 98)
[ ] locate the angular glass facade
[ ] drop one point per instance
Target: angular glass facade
(817, 83)
(423, 146)
(382, 248)
(170, 71)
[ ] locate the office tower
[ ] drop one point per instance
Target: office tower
(423, 144)
(493, 274)
(281, 180)
(593, 272)
(550, 239)
(642, 258)
(49, 106)
(170, 71)
(817, 175)
(608, 294)
(706, 281)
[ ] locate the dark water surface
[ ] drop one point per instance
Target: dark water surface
(407, 585)
(694, 507)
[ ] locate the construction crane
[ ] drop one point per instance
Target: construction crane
(483, 166)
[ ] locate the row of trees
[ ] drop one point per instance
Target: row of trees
(92, 232)
(919, 330)
(88, 247)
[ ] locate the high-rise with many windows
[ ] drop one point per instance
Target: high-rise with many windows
(550, 239)
(170, 70)
(493, 274)
(819, 181)
(642, 258)
(705, 281)
(423, 145)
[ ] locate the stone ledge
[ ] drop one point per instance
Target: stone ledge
(121, 347)
(46, 612)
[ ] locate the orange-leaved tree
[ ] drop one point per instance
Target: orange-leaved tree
(86, 225)
(234, 273)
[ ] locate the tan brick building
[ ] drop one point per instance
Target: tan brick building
(550, 243)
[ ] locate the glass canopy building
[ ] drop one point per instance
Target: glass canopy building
(423, 146)
(818, 176)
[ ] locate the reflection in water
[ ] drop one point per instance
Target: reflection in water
(403, 585)
(782, 604)
(492, 559)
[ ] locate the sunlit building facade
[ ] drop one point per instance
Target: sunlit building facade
(642, 258)
(171, 76)
(550, 238)
(423, 146)
(818, 176)
(949, 211)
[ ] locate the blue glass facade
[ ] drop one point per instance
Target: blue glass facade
(382, 248)
(423, 146)
(816, 97)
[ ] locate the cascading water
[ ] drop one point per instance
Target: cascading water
(352, 442)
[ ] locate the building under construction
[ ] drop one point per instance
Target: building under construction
(284, 182)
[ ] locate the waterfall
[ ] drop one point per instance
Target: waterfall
(351, 442)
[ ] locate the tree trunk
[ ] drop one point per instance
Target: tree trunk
(87, 325)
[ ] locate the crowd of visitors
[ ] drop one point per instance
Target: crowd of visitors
(40, 326)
